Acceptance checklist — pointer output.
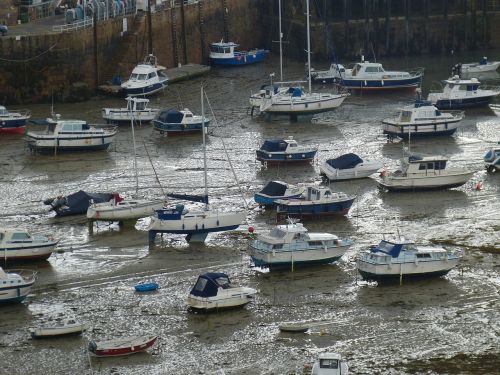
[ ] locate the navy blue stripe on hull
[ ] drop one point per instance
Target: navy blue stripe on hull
(195, 231)
(380, 84)
(50, 150)
(144, 90)
(7, 124)
(441, 187)
(283, 265)
(464, 103)
(395, 278)
(404, 135)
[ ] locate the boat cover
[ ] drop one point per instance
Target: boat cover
(207, 284)
(171, 116)
(422, 103)
(346, 161)
(274, 189)
(295, 91)
(191, 198)
(274, 145)
(77, 203)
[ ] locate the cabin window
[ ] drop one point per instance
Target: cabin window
(371, 69)
(422, 167)
(315, 243)
(385, 246)
(188, 115)
(142, 77)
(20, 236)
(152, 75)
(200, 285)
(278, 246)
(329, 363)
(425, 255)
(440, 164)
(292, 145)
(141, 105)
(355, 70)
(430, 165)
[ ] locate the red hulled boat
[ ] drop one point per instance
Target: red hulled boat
(122, 346)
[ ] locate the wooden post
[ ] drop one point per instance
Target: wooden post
(184, 43)
(387, 25)
(96, 66)
(150, 29)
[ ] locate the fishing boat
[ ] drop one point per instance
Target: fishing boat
(422, 119)
(462, 93)
(370, 76)
(492, 159)
(213, 291)
(226, 53)
(122, 346)
(349, 166)
(137, 110)
(147, 78)
(67, 327)
(291, 245)
(278, 151)
(120, 209)
(480, 67)
(13, 122)
(275, 190)
(176, 122)
(15, 285)
(195, 225)
(293, 100)
(70, 135)
(330, 364)
(394, 259)
(19, 245)
(424, 173)
(77, 203)
(146, 287)
(318, 201)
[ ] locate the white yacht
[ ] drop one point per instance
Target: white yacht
(480, 67)
(424, 173)
(213, 291)
(146, 78)
(330, 364)
(396, 259)
(462, 93)
(291, 245)
(349, 166)
(420, 120)
(137, 110)
(18, 244)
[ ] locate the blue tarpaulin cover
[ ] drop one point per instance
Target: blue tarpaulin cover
(274, 145)
(171, 116)
(274, 189)
(346, 161)
(208, 284)
(77, 203)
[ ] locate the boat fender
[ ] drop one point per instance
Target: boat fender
(218, 223)
(196, 227)
(337, 242)
(184, 126)
(416, 262)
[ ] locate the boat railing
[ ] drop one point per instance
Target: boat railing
(87, 22)
(489, 87)
(20, 113)
(27, 274)
(418, 71)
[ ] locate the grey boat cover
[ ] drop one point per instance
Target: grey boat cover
(274, 189)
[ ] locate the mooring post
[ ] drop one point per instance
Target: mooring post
(150, 29)
(184, 43)
(90, 225)
(96, 66)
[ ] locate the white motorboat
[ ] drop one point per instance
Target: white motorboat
(277, 151)
(137, 110)
(174, 122)
(330, 364)
(15, 285)
(424, 173)
(366, 75)
(291, 245)
(421, 120)
(70, 135)
(294, 101)
(146, 78)
(462, 93)
(213, 291)
(396, 259)
(480, 67)
(17, 244)
(349, 166)
(67, 327)
(195, 225)
(492, 159)
(122, 346)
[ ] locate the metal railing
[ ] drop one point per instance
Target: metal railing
(87, 22)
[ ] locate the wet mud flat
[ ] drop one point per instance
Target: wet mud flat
(446, 325)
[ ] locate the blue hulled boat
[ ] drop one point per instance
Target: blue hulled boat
(13, 122)
(275, 190)
(146, 287)
(224, 53)
(319, 201)
(179, 122)
(285, 151)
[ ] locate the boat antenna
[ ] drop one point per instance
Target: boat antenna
(308, 48)
(281, 42)
(204, 146)
(131, 102)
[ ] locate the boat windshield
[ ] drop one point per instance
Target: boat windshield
(385, 246)
(138, 77)
(405, 116)
(223, 282)
(277, 233)
(20, 236)
(355, 70)
(329, 363)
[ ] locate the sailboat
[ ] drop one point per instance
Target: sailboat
(118, 208)
(294, 100)
(195, 225)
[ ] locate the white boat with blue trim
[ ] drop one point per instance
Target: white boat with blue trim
(480, 67)
(366, 75)
(146, 79)
(226, 53)
(423, 120)
(13, 122)
(291, 245)
(462, 93)
(137, 110)
(20, 245)
(349, 166)
(396, 259)
(174, 122)
(330, 364)
(492, 159)
(214, 291)
(278, 151)
(15, 285)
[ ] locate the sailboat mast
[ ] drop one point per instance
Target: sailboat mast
(281, 43)
(308, 48)
(131, 104)
(204, 145)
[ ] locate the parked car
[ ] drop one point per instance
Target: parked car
(3, 29)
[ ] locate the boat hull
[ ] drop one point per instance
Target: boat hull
(298, 106)
(179, 129)
(217, 304)
(240, 58)
(122, 350)
(58, 331)
(425, 183)
(145, 90)
(333, 174)
(380, 84)
(267, 200)
(303, 208)
(277, 158)
(68, 144)
(27, 253)
(18, 127)
(111, 212)
(464, 102)
(420, 130)
(117, 116)
(15, 294)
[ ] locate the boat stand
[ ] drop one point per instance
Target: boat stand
(197, 237)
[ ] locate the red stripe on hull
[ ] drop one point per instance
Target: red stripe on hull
(125, 351)
(19, 130)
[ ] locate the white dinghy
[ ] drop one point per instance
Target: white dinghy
(67, 327)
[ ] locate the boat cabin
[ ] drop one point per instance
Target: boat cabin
(455, 84)
(11, 236)
(314, 193)
(137, 104)
(209, 283)
(173, 116)
(70, 127)
(279, 145)
(416, 164)
(423, 110)
(369, 70)
(143, 72)
(222, 48)
(386, 250)
(346, 161)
